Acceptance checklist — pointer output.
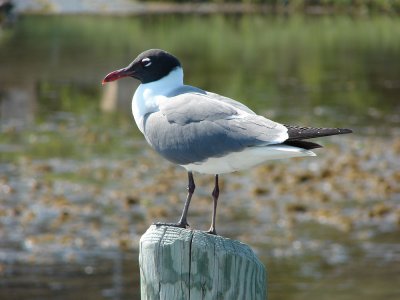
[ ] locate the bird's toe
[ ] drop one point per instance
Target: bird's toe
(179, 224)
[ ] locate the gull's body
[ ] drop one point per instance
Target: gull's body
(182, 123)
(205, 132)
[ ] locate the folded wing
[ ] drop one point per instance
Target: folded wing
(192, 127)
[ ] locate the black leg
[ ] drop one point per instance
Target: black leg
(215, 195)
(190, 188)
(183, 220)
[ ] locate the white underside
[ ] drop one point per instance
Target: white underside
(246, 159)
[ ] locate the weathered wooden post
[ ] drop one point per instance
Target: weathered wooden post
(178, 263)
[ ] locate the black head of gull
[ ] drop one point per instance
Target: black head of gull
(205, 132)
(150, 65)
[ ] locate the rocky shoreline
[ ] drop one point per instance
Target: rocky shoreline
(60, 205)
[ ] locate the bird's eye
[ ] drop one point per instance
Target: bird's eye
(146, 62)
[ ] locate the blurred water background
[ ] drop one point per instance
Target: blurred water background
(79, 185)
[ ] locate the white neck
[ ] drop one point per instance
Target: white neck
(148, 96)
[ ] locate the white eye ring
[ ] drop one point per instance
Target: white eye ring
(146, 62)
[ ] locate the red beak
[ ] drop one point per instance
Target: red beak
(117, 75)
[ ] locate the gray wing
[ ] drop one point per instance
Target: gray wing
(231, 102)
(192, 127)
(191, 89)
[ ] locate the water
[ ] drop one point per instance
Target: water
(78, 185)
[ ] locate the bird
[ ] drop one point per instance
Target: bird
(205, 132)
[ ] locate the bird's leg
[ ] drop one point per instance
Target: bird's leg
(183, 220)
(215, 195)
(191, 186)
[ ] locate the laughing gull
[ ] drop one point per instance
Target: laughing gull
(205, 132)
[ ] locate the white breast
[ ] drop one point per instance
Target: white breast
(149, 96)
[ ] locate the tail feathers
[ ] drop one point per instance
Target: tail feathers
(300, 133)
(302, 144)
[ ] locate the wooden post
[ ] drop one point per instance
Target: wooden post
(178, 263)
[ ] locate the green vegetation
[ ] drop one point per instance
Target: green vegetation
(306, 70)
(318, 6)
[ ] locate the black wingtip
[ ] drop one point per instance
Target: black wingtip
(302, 133)
(303, 144)
(344, 130)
